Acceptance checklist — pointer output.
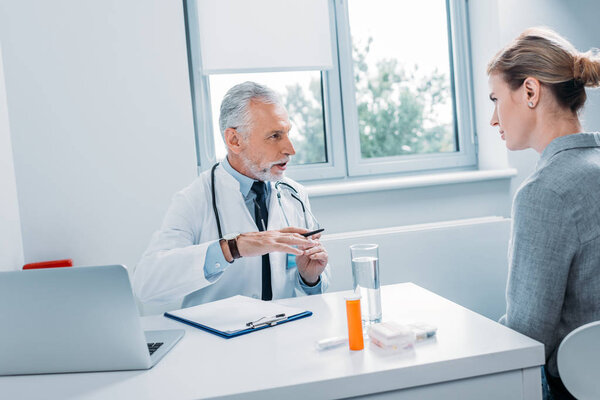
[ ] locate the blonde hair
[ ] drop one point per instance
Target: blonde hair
(545, 55)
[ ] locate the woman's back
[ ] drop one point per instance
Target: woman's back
(556, 217)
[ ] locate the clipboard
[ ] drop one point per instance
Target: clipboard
(237, 315)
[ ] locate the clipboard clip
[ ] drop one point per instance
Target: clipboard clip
(262, 321)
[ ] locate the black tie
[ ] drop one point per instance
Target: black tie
(261, 217)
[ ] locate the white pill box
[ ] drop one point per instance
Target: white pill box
(422, 330)
(392, 336)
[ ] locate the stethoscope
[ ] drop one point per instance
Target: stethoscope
(279, 185)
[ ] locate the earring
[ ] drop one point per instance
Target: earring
(530, 104)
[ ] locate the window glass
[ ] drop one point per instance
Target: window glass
(302, 96)
(402, 71)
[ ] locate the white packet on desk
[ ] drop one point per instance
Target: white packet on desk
(392, 336)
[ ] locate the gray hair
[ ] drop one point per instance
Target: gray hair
(235, 111)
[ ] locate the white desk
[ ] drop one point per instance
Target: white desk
(471, 358)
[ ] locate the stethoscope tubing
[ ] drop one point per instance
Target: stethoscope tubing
(214, 199)
(292, 190)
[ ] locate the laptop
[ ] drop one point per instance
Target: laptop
(74, 320)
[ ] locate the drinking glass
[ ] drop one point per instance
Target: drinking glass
(365, 273)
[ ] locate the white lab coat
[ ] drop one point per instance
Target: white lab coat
(173, 265)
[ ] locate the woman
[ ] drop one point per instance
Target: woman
(538, 85)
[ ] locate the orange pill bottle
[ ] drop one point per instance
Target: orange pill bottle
(355, 333)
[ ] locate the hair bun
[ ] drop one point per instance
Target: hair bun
(586, 68)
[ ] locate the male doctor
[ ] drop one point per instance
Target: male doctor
(259, 251)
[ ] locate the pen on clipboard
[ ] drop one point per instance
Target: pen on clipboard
(267, 321)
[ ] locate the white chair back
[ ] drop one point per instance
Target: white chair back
(579, 361)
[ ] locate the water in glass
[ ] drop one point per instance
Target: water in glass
(365, 271)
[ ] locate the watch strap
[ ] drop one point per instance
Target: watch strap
(233, 249)
(223, 243)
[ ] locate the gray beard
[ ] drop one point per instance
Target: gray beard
(264, 175)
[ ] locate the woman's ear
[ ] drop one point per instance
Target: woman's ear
(532, 88)
(233, 140)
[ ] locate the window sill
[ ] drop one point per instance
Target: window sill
(406, 182)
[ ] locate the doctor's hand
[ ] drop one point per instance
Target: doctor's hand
(312, 262)
(252, 244)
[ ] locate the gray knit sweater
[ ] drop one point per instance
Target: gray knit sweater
(554, 253)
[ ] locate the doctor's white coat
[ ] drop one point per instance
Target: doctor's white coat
(173, 265)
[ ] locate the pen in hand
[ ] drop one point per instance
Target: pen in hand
(307, 234)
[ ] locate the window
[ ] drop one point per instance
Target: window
(402, 87)
(395, 99)
(399, 62)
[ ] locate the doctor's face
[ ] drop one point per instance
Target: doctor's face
(267, 147)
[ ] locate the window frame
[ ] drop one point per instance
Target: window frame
(460, 76)
(340, 113)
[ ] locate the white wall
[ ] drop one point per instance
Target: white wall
(412, 206)
(463, 260)
(11, 246)
(101, 121)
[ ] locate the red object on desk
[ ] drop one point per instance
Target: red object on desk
(50, 264)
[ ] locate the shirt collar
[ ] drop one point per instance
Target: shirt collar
(245, 181)
(567, 142)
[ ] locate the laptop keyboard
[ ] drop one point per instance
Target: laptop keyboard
(152, 347)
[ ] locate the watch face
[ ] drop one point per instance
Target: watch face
(230, 236)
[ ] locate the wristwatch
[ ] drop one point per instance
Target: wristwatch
(231, 239)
